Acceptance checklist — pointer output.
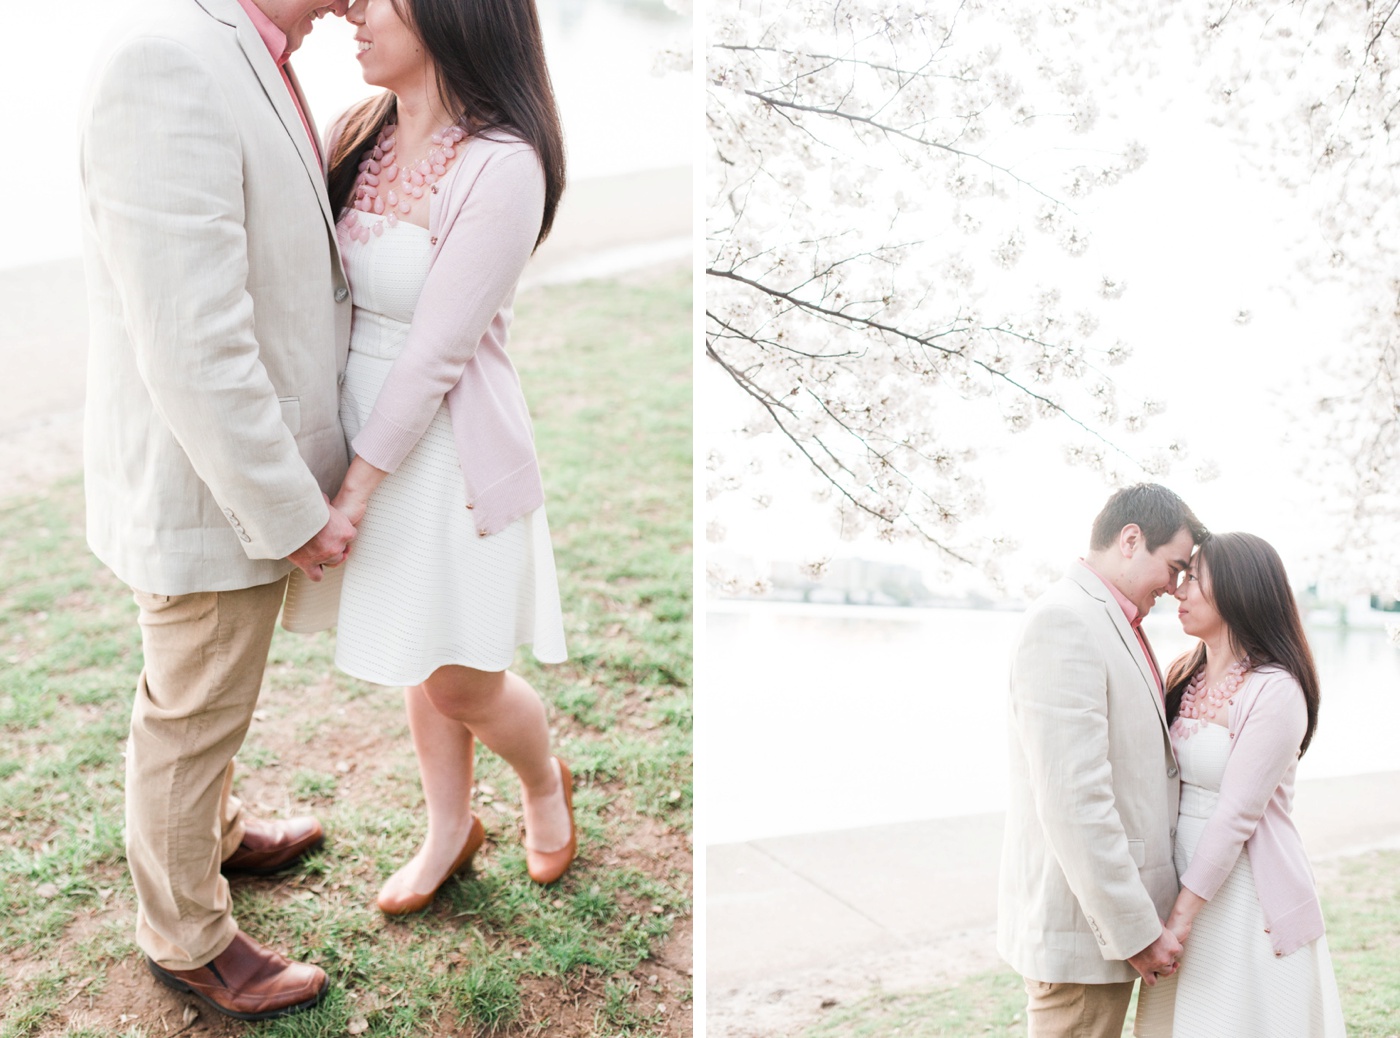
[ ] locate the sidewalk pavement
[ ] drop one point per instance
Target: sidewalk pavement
(604, 226)
(781, 908)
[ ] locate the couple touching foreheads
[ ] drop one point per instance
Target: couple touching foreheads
(277, 320)
(1148, 832)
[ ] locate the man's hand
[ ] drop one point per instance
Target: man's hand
(1158, 958)
(328, 548)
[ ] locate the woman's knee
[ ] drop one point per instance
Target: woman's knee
(458, 692)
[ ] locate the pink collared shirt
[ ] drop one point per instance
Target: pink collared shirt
(1134, 620)
(276, 41)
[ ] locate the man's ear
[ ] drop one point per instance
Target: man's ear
(1129, 540)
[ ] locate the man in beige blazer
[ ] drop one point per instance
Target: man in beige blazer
(219, 326)
(1086, 873)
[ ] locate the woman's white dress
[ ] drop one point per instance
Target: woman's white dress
(421, 588)
(1231, 984)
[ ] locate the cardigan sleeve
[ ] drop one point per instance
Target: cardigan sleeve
(1266, 745)
(485, 246)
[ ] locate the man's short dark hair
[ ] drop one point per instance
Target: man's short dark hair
(1157, 511)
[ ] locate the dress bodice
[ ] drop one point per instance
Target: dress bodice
(1202, 757)
(386, 277)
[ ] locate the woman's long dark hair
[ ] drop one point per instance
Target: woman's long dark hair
(490, 72)
(1249, 588)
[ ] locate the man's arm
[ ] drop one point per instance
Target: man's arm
(1059, 711)
(162, 169)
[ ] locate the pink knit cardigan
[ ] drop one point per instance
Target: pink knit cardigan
(483, 219)
(1267, 722)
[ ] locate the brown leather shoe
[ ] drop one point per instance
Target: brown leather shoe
(270, 847)
(249, 982)
(547, 866)
(406, 904)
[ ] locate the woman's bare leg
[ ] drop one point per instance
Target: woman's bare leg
(445, 753)
(506, 714)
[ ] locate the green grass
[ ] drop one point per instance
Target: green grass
(606, 368)
(1360, 900)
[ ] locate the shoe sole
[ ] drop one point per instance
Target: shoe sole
(185, 989)
(241, 871)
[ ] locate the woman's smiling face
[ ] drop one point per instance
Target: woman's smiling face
(390, 53)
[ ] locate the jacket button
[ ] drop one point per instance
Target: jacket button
(1172, 834)
(342, 294)
(1267, 930)
(1171, 773)
(470, 506)
(432, 240)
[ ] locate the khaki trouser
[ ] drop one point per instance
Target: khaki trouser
(204, 660)
(1077, 1010)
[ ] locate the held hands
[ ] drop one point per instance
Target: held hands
(328, 548)
(1158, 959)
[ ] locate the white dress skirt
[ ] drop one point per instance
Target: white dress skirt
(1231, 984)
(421, 589)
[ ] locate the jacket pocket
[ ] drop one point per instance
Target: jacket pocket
(291, 412)
(1138, 849)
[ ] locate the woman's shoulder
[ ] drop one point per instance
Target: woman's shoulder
(1273, 687)
(498, 163)
(1271, 675)
(498, 144)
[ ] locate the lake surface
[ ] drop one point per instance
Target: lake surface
(818, 718)
(619, 115)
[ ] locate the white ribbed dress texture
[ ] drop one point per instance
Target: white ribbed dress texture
(1231, 984)
(421, 588)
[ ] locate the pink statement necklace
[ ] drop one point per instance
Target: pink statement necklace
(380, 167)
(1199, 703)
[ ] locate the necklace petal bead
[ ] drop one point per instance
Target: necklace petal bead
(379, 166)
(1199, 703)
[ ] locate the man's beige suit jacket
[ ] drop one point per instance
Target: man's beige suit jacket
(1087, 873)
(220, 314)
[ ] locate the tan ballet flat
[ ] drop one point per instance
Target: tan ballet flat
(415, 902)
(548, 866)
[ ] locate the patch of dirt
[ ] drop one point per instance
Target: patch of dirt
(38, 452)
(783, 1006)
(364, 743)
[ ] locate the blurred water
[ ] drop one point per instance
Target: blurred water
(618, 116)
(821, 718)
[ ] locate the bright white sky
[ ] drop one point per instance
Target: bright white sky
(1198, 237)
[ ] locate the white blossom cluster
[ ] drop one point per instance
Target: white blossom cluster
(897, 251)
(677, 55)
(1313, 92)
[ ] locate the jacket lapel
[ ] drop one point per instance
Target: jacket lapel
(1090, 582)
(270, 79)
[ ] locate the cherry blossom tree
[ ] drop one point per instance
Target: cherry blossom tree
(900, 247)
(1311, 91)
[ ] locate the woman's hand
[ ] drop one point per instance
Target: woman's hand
(360, 483)
(1183, 914)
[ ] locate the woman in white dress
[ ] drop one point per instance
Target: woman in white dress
(445, 184)
(1243, 708)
